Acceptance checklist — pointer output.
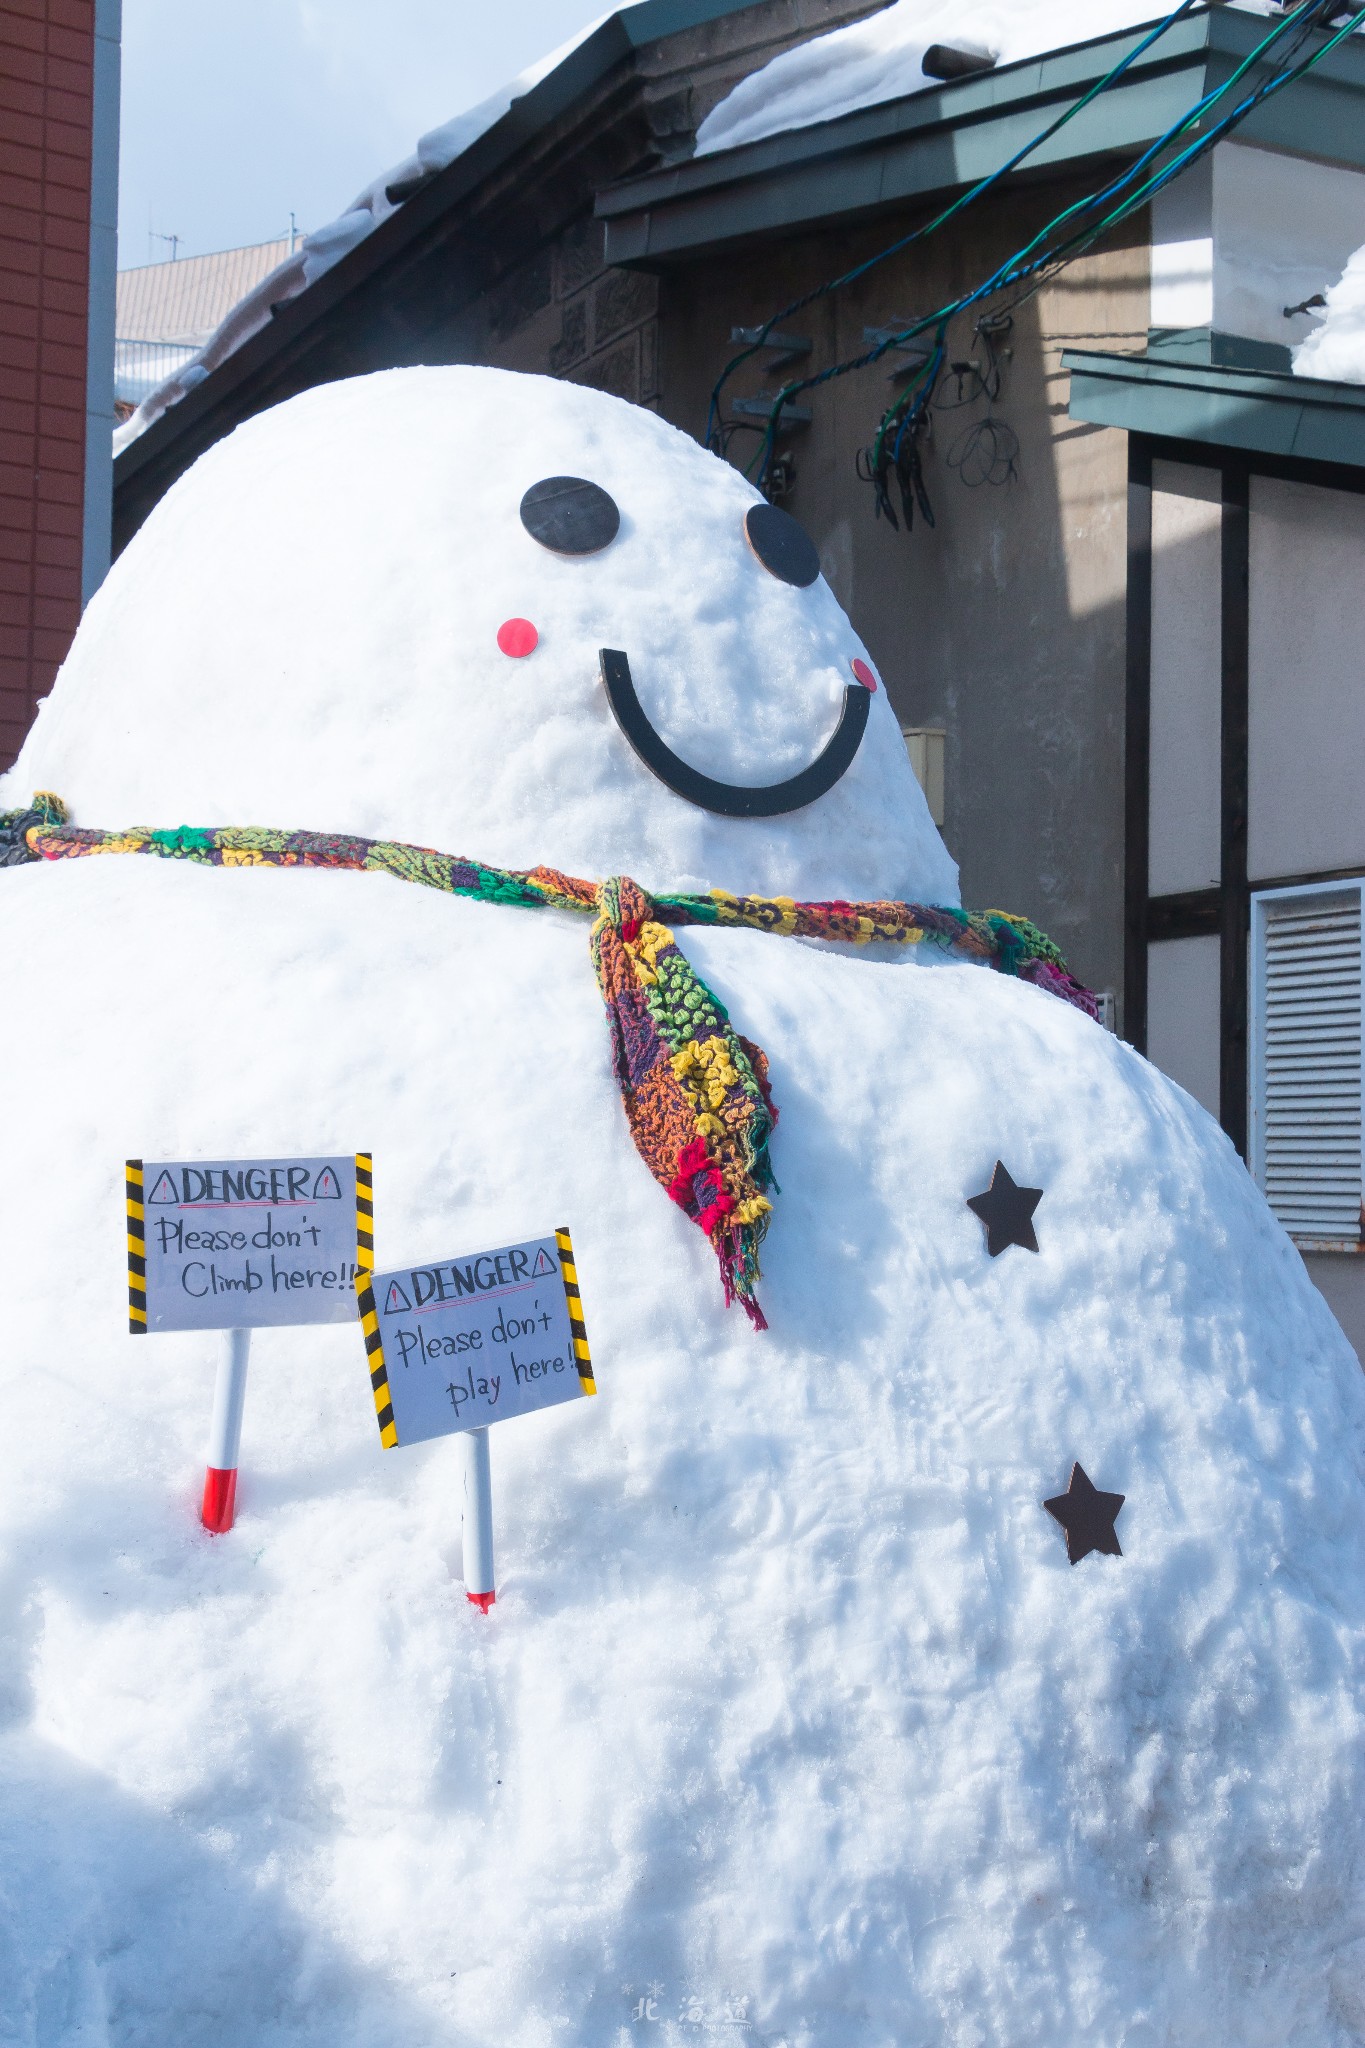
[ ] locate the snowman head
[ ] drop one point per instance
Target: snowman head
(501, 615)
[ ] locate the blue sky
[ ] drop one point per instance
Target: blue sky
(234, 114)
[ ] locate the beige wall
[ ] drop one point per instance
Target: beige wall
(1182, 1015)
(1307, 680)
(1341, 1278)
(1306, 744)
(1186, 745)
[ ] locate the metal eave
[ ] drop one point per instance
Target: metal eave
(1300, 419)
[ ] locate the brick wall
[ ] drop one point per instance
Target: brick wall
(46, 59)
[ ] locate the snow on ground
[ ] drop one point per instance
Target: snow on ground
(1336, 347)
(881, 58)
(791, 1705)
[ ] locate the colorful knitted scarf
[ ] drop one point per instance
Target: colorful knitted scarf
(695, 1092)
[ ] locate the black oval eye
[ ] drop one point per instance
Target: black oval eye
(783, 547)
(570, 515)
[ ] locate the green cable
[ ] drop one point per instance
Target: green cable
(965, 199)
(1007, 272)
(1195, 114)
(1004, 275)
(1172, 170)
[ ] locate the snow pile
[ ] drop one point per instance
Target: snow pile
(1336, 347)
(375, 524)
(882, 58)
(326, 245)
(792, 1720)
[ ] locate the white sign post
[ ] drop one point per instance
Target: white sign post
(477, 1542)
(457, 1345)
(242, 1244)
(225, 1433)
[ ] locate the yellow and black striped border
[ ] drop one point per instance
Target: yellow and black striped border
(581, 1353)
(364, 1211)
(137, 1248)
(374, 1352)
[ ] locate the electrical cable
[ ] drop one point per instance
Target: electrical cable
(1051, 264)
(1024, 263)
(985, 452)
(1053, 261)
(941, 219)
(908, 418)
(1086, 237)
(1018, 266)
(987, 381)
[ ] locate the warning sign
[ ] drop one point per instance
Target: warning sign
(474, 1340)
(234, 1244)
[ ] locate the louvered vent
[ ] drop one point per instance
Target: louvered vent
(1312, 1054)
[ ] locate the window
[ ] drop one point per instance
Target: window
(1306, 1135)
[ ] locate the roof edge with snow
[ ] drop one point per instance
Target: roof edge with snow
(932, 142)
(584, 68)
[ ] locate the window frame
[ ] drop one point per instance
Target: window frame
(1261, 900)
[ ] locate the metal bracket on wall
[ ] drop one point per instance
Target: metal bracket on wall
(909, 355)
(777, 347)
(761, 404)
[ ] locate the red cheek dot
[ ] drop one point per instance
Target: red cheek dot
(519, 636)
(863, 673)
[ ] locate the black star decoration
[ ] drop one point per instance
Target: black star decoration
(1088, 1517)
(1006, 1209)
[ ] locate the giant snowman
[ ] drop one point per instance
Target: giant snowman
(793, 1721)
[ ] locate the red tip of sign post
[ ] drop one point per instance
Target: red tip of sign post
(220, 1500)
(483, 1601)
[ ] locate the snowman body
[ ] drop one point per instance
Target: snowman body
(792, 1719)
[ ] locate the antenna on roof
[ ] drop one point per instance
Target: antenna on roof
(174, 240)
(293, 231)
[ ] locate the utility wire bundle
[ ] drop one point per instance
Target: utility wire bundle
(894, 450)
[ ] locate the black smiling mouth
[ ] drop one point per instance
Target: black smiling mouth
(733, 799)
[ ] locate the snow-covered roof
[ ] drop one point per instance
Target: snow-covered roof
(319, 251)
(184, 300)
(168, 311)
(882, 57)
